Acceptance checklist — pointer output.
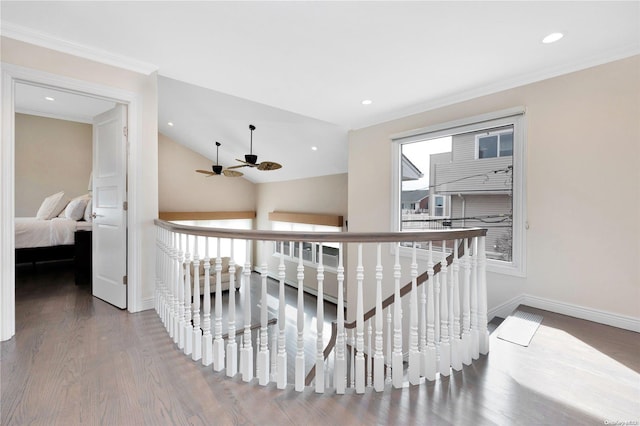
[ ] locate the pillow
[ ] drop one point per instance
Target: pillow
(88, 211)
(75, 209)
(51, 206)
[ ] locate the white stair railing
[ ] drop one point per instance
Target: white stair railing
(446, 302)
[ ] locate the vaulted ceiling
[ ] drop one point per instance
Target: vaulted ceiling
(299, 71)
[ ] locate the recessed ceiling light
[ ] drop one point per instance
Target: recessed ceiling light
(367, 102)
(314, 148)
(170, 124)
(49, 98)
(552, 38)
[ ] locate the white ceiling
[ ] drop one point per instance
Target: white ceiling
(299, 70)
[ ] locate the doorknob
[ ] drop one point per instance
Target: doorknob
(94, 215)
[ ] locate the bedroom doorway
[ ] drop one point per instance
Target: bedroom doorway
(14, 76)
(64, 140)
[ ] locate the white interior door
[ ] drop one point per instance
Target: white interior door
(109, 206)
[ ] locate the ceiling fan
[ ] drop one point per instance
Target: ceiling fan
(251, 160)
(217, 169)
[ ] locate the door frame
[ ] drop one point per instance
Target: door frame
(12, 74)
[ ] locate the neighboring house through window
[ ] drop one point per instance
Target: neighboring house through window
(475, 180)
(494, 144)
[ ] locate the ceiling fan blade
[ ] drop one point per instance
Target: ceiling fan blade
(237, 167)
(232, 173)
(269, 165)
(205, 172)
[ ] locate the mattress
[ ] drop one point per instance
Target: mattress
(32, 232)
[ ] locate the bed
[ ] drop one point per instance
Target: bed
(40, 240)
(61, 230)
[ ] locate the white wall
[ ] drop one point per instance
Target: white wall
(583, 141)
(181, 189)
(50, 156)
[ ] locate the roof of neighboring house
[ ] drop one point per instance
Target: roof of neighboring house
(415, 195)
(409, 170)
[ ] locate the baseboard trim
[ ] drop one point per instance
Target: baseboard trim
(582, 312)
(504, 309)
(147, 304)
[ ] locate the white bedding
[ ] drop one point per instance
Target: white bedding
(32, 232)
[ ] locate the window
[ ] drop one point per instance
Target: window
(439, 205)
(494, 144)
(465, 192)
(310, 251)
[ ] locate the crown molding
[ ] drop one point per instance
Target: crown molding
(31, 36)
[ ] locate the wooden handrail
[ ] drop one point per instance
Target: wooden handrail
(422, 278)
(320, 237)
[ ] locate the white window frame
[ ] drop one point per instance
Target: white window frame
(498, 133)
(516, 118)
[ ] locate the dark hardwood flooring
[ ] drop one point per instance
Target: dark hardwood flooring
(76, 360)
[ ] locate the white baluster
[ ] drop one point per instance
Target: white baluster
(475, 347)
(445, 346)
(378, 356)
(196, 354)
(168, 267)
(263, 353)
(156, 301)
(246, 353)
(483, 332)
(173, 312)
(456, 343)
(232, 346)
(369, 358)
(340, 364)
(320, 385)
(161, 286)
(282, 320)
(207, 347)
(168, 271)
(188, 326)
(466, 314)
(423, 328)
(430, 355)
(180, 277)
(359, 325)
(396, 360)
(274, 354)
(353, 359)
(436, 312)
(218, 341)
(387, 379)
(414, 354)
(300, 369)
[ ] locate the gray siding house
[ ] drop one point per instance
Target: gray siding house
(472, 185)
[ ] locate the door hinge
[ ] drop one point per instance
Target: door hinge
(125, 131)
(125, 205)
(124, 279)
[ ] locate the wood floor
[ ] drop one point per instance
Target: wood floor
(78, 361)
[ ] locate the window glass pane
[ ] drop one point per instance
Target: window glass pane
(488, 146)
(464, 191)
(506, 144)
